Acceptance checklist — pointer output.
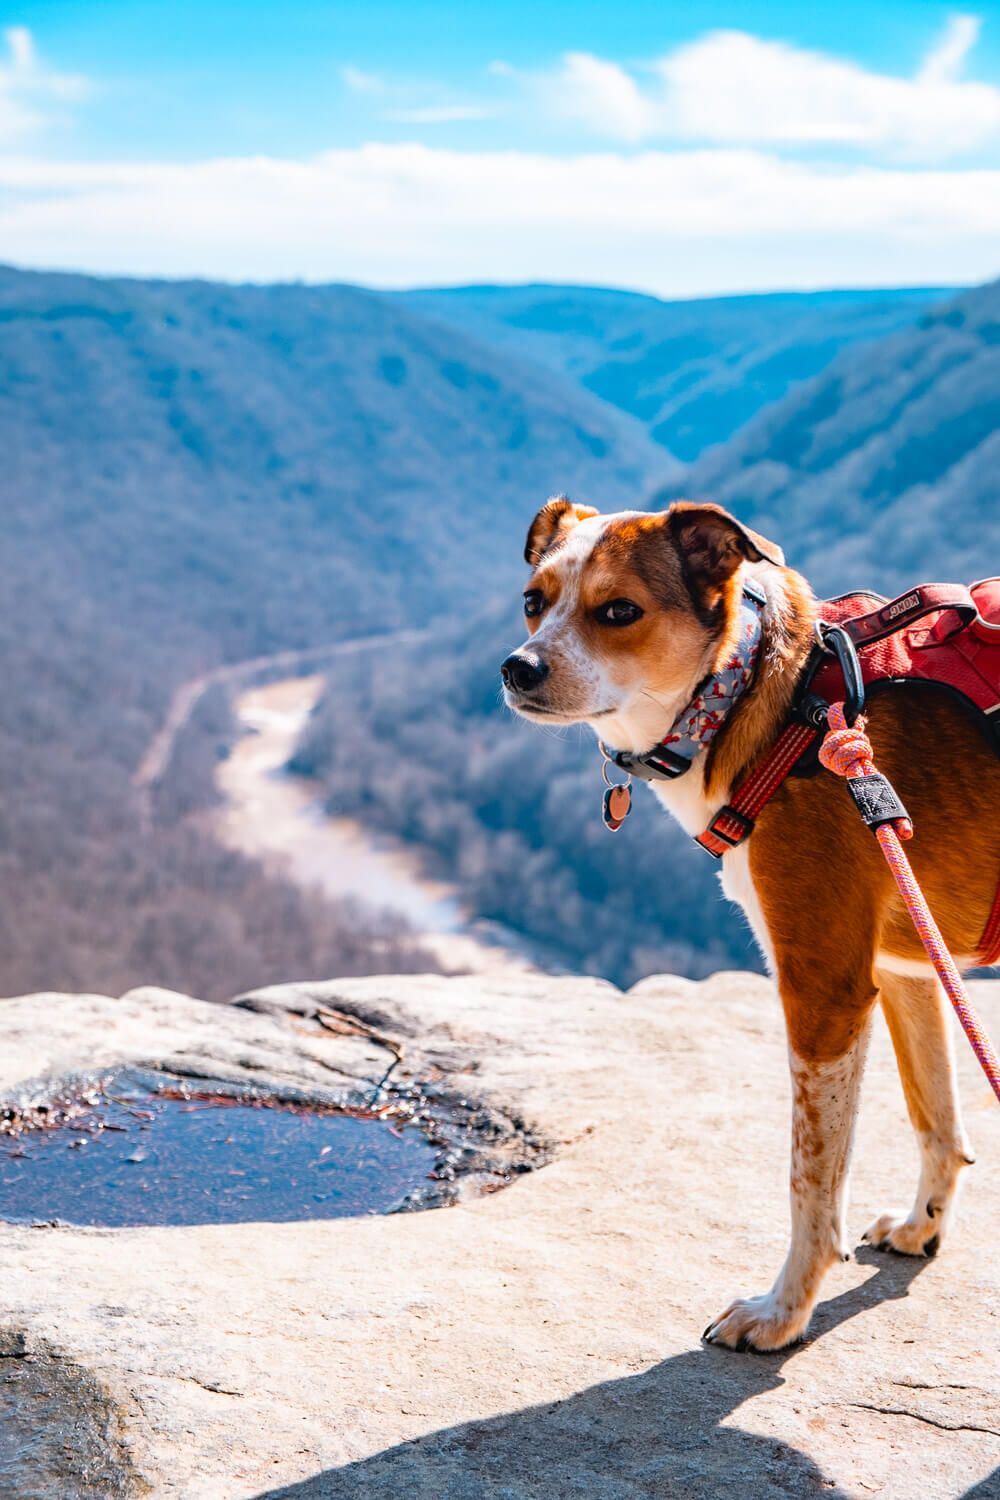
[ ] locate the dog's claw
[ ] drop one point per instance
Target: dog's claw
(898, 1236)
(757, 1325)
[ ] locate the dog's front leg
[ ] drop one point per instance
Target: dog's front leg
(824, 1107)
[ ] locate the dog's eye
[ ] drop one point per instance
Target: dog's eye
(618, 612)
(534, 603)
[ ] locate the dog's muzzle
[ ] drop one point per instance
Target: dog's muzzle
(523, 673)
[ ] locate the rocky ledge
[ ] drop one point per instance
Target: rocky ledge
(541, 1341)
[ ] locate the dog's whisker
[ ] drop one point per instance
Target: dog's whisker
(655, 698)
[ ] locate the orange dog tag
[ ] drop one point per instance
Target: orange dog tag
(617, 802)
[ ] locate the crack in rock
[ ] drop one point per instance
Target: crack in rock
(917, 1416)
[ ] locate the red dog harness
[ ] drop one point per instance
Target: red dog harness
(943, 635)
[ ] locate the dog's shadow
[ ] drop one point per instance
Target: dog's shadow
(659, 1434)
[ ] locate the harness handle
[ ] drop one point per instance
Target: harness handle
(927, 599)
(844, 638)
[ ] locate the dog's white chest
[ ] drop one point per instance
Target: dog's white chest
(686, 801)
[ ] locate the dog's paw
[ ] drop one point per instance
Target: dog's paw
(758, 1323)
(905, 1234)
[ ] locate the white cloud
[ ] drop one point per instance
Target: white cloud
(20, 46)
(732, 87)
(439, 114)
(360, 82)
(601, 96)
(30, 93)
(944, 63)
(374, 86)
(677, 223)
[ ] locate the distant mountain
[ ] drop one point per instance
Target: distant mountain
(885, 470)
(267, 454)
(693, 372)
(196, 473)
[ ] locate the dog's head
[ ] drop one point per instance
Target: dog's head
(626, 614)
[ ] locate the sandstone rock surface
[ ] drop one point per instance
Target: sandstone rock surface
(535, 1343)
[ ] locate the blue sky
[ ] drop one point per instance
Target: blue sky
(679, 149)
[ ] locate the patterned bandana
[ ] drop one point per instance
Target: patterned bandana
(711, 705)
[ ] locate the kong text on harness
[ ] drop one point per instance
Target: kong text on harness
(617, 802)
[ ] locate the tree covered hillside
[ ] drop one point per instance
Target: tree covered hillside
(693, 372)
(247, 461)
(885, 470)
(196, 474)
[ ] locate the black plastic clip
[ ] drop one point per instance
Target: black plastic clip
(835, 638)
(742, 825)
(658, 764)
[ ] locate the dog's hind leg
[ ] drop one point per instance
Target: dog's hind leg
(917, 1013)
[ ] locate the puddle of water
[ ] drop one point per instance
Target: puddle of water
(141, 1149)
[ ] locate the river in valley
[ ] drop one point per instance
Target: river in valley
(272, 815)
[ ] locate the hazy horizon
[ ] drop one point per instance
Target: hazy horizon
(823, 289)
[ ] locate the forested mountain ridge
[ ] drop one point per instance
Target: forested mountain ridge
(693, 372)
(238, 437)
(196, 473)
(885, 470)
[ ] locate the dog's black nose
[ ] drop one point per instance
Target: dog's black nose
(523, 673)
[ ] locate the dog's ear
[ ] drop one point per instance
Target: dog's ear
(554, 520)
(713, 544)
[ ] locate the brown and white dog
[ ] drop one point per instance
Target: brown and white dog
(627, 615)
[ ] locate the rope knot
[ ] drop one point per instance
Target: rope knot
(846, 749)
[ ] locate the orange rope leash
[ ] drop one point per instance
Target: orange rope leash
(847, 751)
